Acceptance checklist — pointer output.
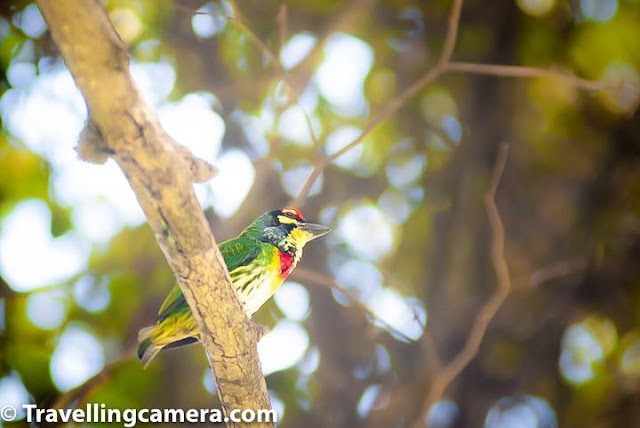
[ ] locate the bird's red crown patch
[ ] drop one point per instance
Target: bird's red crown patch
(296, 212)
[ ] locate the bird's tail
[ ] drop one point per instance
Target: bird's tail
(146, 348)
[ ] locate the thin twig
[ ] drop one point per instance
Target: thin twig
(452, 33)
(282, 21)
(274, 59)
(254, 37)
(444, 65)
(328, 282)
(384, 114)
(393, 106)
(237, 20)
(524, 72)
(481, 323)
(430, 349)
(557, 270)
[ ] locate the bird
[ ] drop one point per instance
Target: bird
(259, 260)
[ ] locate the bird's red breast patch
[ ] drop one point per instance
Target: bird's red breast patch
(286, 263)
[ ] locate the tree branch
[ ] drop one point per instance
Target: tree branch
(161, 174)
(326, 281)
(486, 314)
(444, 65)
(556, 270)
(394, 105)
(274, 59)
(524, 72)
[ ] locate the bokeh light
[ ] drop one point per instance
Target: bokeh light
(231, 185)
(293, 300)
(408, 316)
(209, 382)
(25, 239)
(127, 23)
(155, 80)
(396, 205)
(77, 357)
(277, 404)
(521, 412)
(294, 128)
(47, 310)
(210, 19)
(296, 49)
(91, 294)
(355, 230)
(404, 168)
(340, 77)
(451, 126)
(282, 347)
(436, 105)
(21, 74)
(31, 21)
(623, 93)
(47, 116)
(340, 138)
(293, 180)
(370, 400)
(13, 393)
(584, 347)
(193, 123)
(310, 363)
(383, 359)
(442, 414)
(630, 356)
(599, 10)
(361, 277)
(536, 7)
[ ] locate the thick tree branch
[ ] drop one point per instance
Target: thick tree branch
(161, 173)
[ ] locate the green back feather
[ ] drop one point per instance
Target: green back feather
(236, 252)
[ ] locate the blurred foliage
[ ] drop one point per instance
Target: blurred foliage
(411, 238)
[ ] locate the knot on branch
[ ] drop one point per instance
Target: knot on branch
(91, 145)
(201, 170)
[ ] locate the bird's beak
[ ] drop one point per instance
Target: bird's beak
(314, 230)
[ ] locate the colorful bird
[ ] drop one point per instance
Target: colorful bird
(259, 260)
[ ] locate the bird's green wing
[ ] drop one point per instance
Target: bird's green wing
(174, 303)
(239, 251)
(236, 252)
(174, 296)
